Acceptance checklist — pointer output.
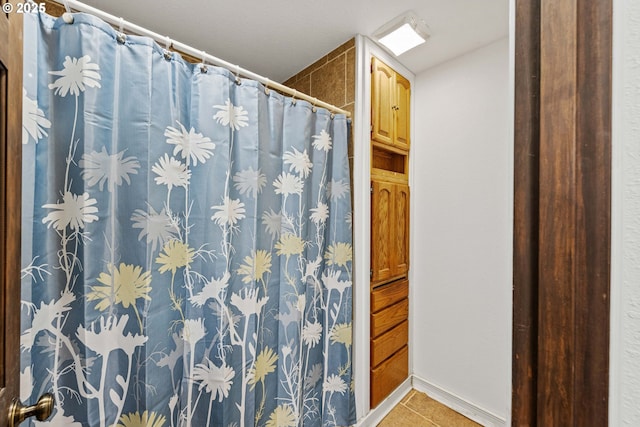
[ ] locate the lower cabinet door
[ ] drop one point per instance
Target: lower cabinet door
(389, 375)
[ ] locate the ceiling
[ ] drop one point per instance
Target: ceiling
(278, 38)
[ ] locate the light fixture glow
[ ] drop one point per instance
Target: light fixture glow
(402, 39)
(402, 33)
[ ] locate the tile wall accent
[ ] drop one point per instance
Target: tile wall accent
(331, 79)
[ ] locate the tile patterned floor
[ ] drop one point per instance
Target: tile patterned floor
(418, 410)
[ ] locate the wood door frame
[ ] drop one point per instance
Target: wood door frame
(562, 212)
(10, 206)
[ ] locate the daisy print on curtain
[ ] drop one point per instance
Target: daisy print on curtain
(187, 252)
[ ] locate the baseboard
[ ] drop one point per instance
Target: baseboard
(458, 404)
(379, 412)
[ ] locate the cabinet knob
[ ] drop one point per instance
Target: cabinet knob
(41, 410)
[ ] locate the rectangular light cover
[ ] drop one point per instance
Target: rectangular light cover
(402, 39)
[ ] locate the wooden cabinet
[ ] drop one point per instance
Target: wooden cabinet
(389, 230)
(390, 106)
(390, 141)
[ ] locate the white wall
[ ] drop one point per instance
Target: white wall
(624, 403)
(461, 199)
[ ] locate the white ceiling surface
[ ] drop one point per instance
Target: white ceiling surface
(278, 38)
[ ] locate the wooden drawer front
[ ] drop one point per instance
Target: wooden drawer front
(385, 295)
(386, 319)
(389, 375)
(389, 342)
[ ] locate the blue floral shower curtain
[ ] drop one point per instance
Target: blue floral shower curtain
(186, 240)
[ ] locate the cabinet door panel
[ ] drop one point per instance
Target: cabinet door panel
(401, 232)
(381, 231)
(382, 94)
(402, 108)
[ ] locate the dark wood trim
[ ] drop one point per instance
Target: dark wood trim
(561, 306)
(10, 204)
(558, 210)
(526, 195)
(592, 293)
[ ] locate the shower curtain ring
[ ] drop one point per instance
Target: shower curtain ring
(266, 86)
(203, 66)
(313, 105)
(167, 47)
(67, 17)
(238, 81)
(293, 97)
(121, 37)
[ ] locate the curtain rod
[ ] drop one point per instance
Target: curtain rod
(206, 58)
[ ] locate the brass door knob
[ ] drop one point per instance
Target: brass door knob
(42, 409)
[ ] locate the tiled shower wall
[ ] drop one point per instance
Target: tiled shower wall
(331, 79)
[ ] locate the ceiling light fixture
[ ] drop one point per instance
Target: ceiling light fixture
(402, 33)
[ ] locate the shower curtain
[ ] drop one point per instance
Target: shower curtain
(186, 244)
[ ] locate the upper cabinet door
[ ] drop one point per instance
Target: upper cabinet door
(402, 114)
(382, 102)
(390, 106)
